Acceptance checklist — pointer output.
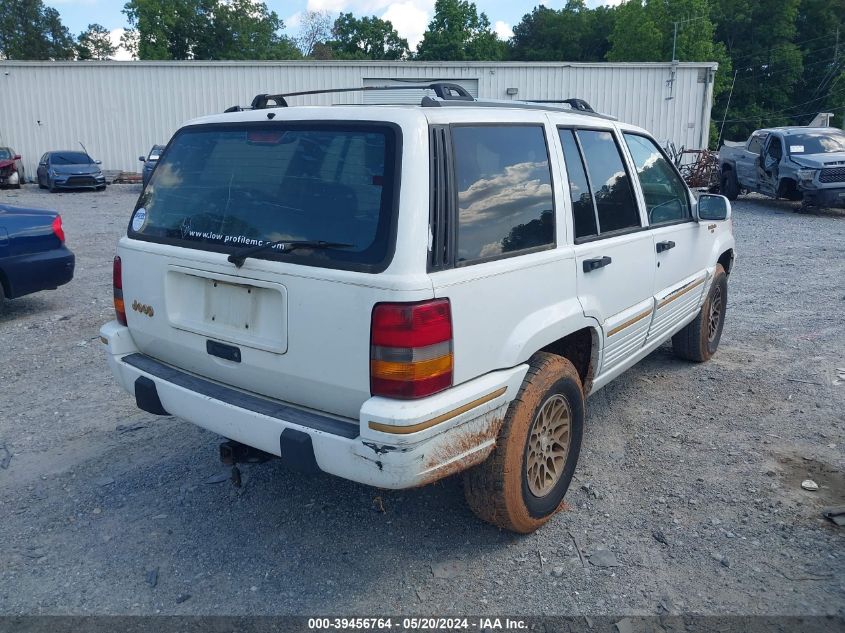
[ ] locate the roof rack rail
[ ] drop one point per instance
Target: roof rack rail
(445, 91)
(549, 106)
(448, 94)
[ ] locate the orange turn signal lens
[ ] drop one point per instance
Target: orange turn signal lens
(411, 371)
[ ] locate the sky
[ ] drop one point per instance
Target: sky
(409, 17)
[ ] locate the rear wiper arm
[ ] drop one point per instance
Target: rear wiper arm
(239, 257)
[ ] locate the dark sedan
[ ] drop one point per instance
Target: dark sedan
(70, 170)
(150, 161)
(33, 255)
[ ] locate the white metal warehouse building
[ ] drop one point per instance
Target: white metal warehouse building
(120, 109)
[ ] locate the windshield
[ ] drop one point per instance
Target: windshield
(70, 158)
(155, 152)
(816, 142)
(224, 188)
(5, 153)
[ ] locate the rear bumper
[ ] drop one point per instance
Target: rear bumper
(38, 271)
(412, 444)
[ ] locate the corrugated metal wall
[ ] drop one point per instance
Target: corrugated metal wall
(120, 109)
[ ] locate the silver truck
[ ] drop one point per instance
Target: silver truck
(795, 163)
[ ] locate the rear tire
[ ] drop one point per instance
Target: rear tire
(699, 340)
(522, 484)
(729, 185)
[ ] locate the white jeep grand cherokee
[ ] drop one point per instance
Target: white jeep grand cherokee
(397, 294)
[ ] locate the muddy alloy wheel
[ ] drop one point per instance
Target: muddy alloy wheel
(548, 445)
(522, 484)
(699, 340)
(714, 318)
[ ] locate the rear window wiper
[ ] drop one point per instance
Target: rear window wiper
(239, 257)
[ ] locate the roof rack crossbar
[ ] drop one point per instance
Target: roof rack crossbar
(576, 104)
(446, 91)
(449, 94)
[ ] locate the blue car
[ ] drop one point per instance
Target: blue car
(69, 170)
(150, 161)
(33, 255)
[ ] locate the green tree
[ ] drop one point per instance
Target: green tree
(205, 29)
(574, 33)
(820, 33)
(457, 32)
(636, 35)
(95, 43)
(769, 65)
(366, 38)
(167, 29)
(29, 30)
(244, 29)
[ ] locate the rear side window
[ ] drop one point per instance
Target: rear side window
(755, 144)
(225, 188)
(665, 194)
(593, 156)
(504, 190)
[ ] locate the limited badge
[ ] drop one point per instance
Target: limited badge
(139, 219)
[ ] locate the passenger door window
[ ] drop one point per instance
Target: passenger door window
(503, 180)
(593, 158)
(665, 194)
(583, 208)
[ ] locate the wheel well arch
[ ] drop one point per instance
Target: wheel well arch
(727, 167)
(581, 348)
(788, 188)
(726, 259)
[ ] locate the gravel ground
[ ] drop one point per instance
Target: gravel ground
(690, 474)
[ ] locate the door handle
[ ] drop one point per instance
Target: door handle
(596, 263)
(665, 246)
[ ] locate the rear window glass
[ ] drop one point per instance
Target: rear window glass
(230, 188)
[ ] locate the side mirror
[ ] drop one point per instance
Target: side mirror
(142, 159)
(16, 157)
(713, 207)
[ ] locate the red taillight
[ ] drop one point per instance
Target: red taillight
(411, 349)
(117, 286)
(57, 228)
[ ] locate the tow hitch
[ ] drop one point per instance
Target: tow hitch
(233, 453)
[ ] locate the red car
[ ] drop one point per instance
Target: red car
(11, 168)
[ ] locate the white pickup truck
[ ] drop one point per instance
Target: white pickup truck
(398, 294)
(796, 163)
